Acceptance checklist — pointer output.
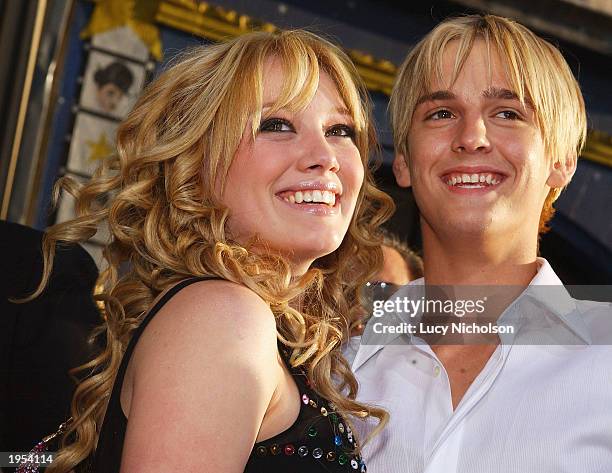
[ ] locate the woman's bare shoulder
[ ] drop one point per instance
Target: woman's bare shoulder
(214, 313)
(207, 362)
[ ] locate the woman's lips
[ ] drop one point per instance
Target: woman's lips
(310, 196)
(316, 208)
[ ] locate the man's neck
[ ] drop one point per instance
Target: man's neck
(476, 260)
(507, 260)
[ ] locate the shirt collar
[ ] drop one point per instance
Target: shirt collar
(366, 351)
(557, 301)
(555, 298)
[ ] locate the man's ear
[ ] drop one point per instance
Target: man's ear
(561, 173)
(400, 171)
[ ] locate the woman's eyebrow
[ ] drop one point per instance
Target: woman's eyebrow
(343, 111)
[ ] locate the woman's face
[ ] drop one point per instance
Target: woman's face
(295, 184)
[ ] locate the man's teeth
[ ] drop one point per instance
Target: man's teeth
(481, 178)
(323, 197)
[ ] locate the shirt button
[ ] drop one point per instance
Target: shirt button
(436, 371)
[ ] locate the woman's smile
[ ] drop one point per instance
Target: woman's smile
(295, 183)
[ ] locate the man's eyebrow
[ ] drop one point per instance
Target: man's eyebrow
(500, 93)
(504, 94)
(437, 95)
(490, 93)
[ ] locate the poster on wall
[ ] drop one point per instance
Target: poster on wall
(111, 84)
(122, 41)
(118, 64)
(93, 139)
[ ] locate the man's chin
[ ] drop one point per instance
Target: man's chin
(469, 224)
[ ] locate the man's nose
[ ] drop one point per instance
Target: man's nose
(471, 136)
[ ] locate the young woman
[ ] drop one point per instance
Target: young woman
(243, 219)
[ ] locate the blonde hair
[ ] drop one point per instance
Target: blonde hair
(166, 224)
(536, 70)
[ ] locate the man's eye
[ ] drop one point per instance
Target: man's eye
(276, 125)
(508, 115)
(440, 115)
(341, 130)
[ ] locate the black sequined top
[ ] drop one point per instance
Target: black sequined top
(318, 441)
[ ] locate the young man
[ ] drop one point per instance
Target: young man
(488, 123)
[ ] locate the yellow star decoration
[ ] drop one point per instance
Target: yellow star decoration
(99, 149)
(137, 14)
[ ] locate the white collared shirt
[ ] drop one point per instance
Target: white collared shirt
(533, 408)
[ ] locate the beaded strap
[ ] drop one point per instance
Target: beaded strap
(30, 466)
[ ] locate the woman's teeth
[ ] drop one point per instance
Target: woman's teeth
(467, 180)
(322, 197)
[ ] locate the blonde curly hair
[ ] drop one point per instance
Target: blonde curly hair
(156, 196)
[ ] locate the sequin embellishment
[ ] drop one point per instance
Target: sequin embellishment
(340, 448)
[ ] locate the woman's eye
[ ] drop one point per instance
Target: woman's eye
(440, 115)
(341, 130)
(276, 125)
(508, 115)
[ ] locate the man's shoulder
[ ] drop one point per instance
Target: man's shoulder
(594, 309)
(597, 316)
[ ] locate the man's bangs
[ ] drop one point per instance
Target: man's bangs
(464, 47)
(514, 71)
(515, 61)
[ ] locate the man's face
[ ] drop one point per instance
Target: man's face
(477, 162)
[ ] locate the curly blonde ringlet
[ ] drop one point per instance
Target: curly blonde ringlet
(535, 69)
(166, 221)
